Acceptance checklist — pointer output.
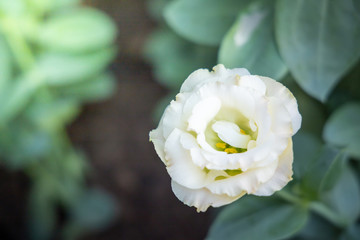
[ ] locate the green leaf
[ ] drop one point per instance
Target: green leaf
(306, 149)
(317, 228)
(250, 43)
(79, 30)
(18, 95)
(54, 115)
(317, 169)
(344, 197)
(203, 21)
(258, 218)
(334, 172)
(5, 64)
(342, 128)
(92, 90)
(174, 59)
(63, 69)
(312, 36)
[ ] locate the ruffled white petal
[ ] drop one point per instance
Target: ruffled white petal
(222, 161)
(172, 118)
(196, 78)
(248, 181)
(180, 166)
(203, 76)
(202, 113)
(277, 90)
(281, 119)
(282, 175)
(253, 82)
(201, 198)
(156, 137)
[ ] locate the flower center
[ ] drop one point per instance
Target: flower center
(231, 132)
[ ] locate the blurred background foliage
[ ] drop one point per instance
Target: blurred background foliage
(312, 48)
(54, 56)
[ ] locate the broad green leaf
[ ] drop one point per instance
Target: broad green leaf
(250, 42)
(306, 149)
(317, 169)
(344, 197)
(63, 69)
(79, 30)
(54, 115)
(95, 89)
(317, 228)
(318, 41)
(342, 128)
(174, 59)
(334, 172)
(5, 63)
(18, 95)
(256, 218)
(203, 21)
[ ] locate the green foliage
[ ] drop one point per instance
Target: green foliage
(203, 21)
(312, 36)
(312, 48)
(342, 129)
(246, 219)
(174, 58)
(80, 24)
(250, 42)
(53, 59)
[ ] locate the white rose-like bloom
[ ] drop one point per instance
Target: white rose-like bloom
(227, 134)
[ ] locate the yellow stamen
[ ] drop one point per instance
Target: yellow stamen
(221, 145)
(242, 132)
(230, 150)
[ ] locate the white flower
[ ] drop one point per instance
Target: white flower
(227, 134)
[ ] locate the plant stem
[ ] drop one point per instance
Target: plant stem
(287, 196)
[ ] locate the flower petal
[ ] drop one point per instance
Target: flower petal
(219, 73)
(277, 90)
(202, 113)
(230, 133)
(201, 198)
(253, 82)
(180, 165)
(281, 176)
(281, 119)
(172, 118)
(156, 137)
(247, 181)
